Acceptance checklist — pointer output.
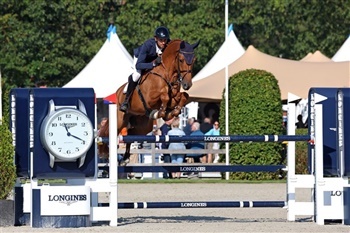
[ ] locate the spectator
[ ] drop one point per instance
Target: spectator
(176, 158)
(300, 124)
(41, 84)
(102, 123)
(164, 129)
(206, 125)
(104, 128)
(195, 146)
(215, 131)
(187, 128)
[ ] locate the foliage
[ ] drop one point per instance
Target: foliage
(301, 154)
(184, 19)
(54, 40)
(7, 167)
(255, 109)
(45, 40)
(291, 29)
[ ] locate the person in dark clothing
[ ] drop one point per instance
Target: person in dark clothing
(300, 124)
(164, 129)
(206, 125)
(146, 57)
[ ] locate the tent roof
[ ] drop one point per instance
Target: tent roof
(293, 76)
(316, 57)
(229, 51)
(108, 70)
(306, 57)
(343, 54)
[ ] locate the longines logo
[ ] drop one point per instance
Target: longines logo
(67, 199)
(68, 125)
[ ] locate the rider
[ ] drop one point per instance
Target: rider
(146, 57)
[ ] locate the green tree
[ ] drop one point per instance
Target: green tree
(7, 167)
(290, 28)
(186, 20)
(54, 40)
(48, 40)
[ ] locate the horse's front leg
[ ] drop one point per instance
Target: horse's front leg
(177, 103)
(126, 157)
(161, 112)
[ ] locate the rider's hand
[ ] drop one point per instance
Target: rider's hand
(157, 62)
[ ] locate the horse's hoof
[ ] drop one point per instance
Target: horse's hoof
(176, 112)
(154, 115)
(124, 162)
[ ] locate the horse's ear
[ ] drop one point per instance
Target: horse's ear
(196, 44)
(182, 45)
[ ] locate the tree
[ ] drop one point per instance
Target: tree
(291, 29)
(49, 41)
(54, 40)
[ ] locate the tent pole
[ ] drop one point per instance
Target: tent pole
(227, 157)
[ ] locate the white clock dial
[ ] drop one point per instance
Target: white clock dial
(67, 134)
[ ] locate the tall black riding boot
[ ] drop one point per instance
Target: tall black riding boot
(131, 87)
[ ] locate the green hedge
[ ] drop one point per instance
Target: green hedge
(301, 156)
(255, 108)
(7, 167)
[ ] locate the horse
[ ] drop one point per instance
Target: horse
(158, 94)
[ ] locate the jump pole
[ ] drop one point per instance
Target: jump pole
(200, 204)
(113, 166)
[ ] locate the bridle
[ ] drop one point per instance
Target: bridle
(180, 77)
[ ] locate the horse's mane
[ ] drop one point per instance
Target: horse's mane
(173, 46)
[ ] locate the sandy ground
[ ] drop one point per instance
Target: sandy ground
(202, 220)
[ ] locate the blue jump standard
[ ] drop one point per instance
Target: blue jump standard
(223, 138)
(200, 204)
(199, 168)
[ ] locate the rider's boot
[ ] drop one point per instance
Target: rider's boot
(131, 87)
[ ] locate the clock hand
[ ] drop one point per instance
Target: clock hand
(65, 126)
(76, 137)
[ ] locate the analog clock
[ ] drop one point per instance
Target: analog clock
(67, 133)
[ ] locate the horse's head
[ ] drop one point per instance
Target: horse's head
(185, 62)
(179, 58)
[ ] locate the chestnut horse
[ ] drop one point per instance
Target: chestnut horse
(158, 92)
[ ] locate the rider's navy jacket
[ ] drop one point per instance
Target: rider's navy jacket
(146, 54)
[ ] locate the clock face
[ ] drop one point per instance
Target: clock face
(67, 134)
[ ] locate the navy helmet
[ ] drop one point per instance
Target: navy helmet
(162, 33)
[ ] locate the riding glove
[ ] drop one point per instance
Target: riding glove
(158, 61)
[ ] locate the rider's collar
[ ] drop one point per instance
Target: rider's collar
(158, 50)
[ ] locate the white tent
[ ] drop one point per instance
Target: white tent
(343, 54)
(229, 52)
(108, 70)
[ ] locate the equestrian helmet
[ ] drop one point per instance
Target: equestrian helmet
(162, 33)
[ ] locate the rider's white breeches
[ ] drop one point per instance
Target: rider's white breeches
(137, 74)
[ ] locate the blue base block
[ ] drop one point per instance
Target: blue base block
(346, 196)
